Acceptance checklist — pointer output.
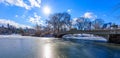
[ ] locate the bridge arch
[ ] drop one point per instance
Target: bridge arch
(112, 36)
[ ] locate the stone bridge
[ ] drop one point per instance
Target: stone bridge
(112, 35)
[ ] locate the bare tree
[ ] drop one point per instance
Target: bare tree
(97, 23)
(60, 21)
(82, 23)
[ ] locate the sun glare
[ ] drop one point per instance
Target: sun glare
(46, 10)
(47, 51)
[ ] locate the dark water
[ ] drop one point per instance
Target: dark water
(27, 47)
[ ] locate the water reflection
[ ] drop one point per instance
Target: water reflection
(47, 51)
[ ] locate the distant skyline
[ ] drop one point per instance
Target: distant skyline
(28, 12)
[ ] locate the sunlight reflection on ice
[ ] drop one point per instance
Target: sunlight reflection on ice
(47, 51)
(45, 38)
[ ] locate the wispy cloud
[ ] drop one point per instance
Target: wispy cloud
(21, 3)
(13, 23)
(36, 19)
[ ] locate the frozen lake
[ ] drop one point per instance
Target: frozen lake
(40, 47)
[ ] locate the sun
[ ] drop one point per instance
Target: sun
(46, 10)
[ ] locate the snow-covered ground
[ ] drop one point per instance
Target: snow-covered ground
(84, 37)
(14, 36)
(17, 36)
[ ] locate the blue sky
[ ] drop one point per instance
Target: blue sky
(27, 12)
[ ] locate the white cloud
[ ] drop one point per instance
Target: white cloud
(74, 21)
(36, 19)
(16, 15)
(35, 3)
(90, 15)
(17, 25)
(21, 3)
(69, 10)
(23, 16)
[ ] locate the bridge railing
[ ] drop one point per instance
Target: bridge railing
(107, 31)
